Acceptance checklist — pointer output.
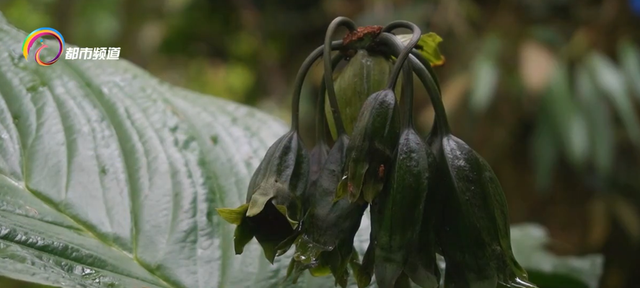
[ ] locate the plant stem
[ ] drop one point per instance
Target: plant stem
(328, 71)
(428, 78)
(419, 65)
(321, 118)
(402, 57)
(406, 96)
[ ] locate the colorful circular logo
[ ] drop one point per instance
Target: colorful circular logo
(38, 34)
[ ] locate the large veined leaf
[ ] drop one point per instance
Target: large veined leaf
(110, 178)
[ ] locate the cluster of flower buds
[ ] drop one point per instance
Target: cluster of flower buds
(426, 195)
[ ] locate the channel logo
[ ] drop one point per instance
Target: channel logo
(37, 35)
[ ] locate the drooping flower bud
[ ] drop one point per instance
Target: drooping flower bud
(320, 151)
(376, 131)
(329, 227)
(472, 229)
(402, 204)
(272, 206)
(363, 75)
(278, 184)
(423, 266)
(317, 157)
(370, 151)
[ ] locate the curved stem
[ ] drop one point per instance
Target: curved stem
(402, 57)
(418, 63)
(428, 78)
(302, 73)
(429, 68)
(440, 121)
(328, 71)
(406, 97)
(321, 118)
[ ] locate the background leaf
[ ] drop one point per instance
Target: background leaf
(427, 46)
(485, 75)
(630, 62)
(544, 152)
(599, 119)
(612, 83)
(529, 242)
(567, 119)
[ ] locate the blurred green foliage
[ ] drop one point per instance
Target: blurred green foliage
(10, 283)
(546, 90)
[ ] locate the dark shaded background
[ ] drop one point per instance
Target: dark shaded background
(567, 161)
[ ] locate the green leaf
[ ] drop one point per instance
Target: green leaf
(427, 46)
(629, 58)
(485, 75)
(567, 120)
(599, 119)
(544, 151)
(529, 242)
(610, 81)
(111, 178)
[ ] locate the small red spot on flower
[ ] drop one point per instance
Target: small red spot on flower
(381, 171)
(350, 187)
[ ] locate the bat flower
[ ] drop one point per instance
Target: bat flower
(426, 196)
